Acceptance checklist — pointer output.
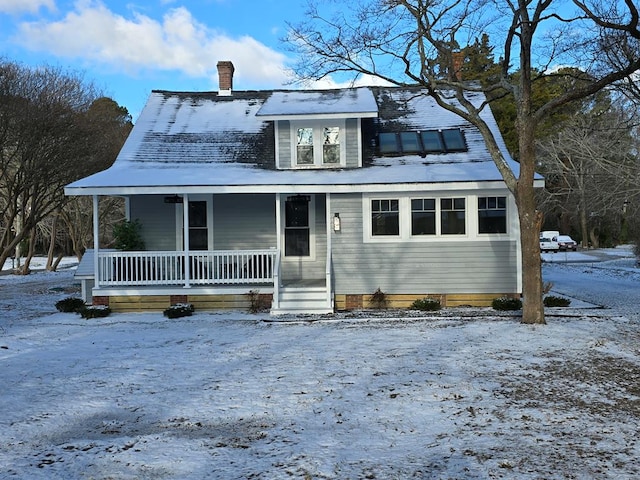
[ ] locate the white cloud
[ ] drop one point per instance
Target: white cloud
(22, 6)
(176, 43)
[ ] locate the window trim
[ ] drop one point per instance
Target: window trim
(317, 126)
(405, 217)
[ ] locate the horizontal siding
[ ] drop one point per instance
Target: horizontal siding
(158, 221)
(352, 146)
(244, 222)
(284, 144)
(416, 267)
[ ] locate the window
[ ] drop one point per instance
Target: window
(454, 140)
(385, 217)
(492, 214)
(318, 145)
(331, 145)
(198, 232)
(388, 143)
(305, 146)
(452, 216)
(423, 216)
(432, 141)
(410, 142)
(422, 142)
(297, 227)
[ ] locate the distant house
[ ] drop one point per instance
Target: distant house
(314, 198)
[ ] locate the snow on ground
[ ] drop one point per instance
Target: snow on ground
(464, 394)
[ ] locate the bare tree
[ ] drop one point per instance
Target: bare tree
(591, 169)
(47, 140)
(416, 42)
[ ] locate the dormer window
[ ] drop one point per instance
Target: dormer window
(318, 144)
(422, 142)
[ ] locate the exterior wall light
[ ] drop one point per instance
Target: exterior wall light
(336, 222)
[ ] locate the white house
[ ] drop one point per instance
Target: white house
(314, 198)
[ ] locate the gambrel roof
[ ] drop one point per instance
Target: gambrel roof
(205, 142)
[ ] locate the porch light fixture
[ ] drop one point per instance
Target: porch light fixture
(336, 222)
(173, 199)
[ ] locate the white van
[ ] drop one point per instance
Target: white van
(549, 234)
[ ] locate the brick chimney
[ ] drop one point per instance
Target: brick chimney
(225, 78)
(457, 62)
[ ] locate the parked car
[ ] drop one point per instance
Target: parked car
(548, 245)
(565, 242)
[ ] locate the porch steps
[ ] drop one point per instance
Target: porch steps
(302, 300)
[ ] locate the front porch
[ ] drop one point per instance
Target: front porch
(211, 280)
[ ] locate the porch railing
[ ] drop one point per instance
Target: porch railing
(218, 267)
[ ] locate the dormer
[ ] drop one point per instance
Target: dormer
(319, 129)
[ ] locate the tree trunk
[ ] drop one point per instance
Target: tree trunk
(52, 244)
(530, 223)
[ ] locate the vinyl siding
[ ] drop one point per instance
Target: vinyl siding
(416, 267)
(352, 144)
(158, 221)
(244, 222)
(284, 144)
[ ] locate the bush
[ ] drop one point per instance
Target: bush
(179, 310)
(378, 299)
(506, 303)
(70, 304)
(258, 301)
(95, 311)
(553, 301)
(427, 304)
(128, 236)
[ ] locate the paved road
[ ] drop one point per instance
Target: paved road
(600, 277)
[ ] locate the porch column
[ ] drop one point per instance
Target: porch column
(185, 227)
(96, 240)
(330, 233)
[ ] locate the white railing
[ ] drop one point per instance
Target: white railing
(219, 267)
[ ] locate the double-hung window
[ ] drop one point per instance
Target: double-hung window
(492, 214)
(318, 145)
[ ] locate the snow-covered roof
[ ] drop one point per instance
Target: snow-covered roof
(200, 141)
(350, 103)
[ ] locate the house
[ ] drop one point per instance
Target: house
(314, 199)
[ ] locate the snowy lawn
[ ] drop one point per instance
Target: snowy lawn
(462, 394)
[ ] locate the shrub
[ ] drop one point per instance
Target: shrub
(258, 302)
(179, 310)
(378, 299)
(506, 303)
(127, 236)
(70, 304)
(428, 304)
(95, 311)
(553, 301)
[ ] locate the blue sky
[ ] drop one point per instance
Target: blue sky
(128, 48)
